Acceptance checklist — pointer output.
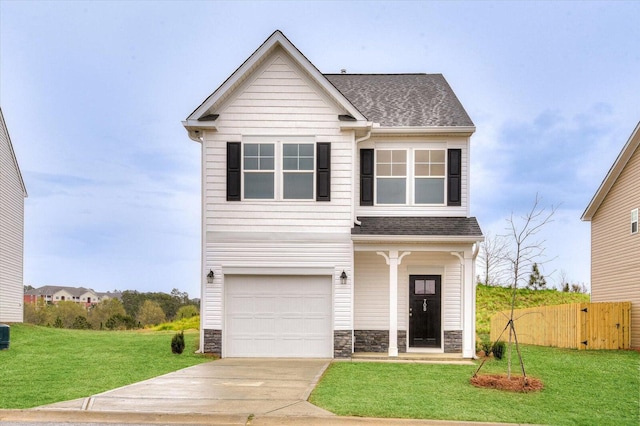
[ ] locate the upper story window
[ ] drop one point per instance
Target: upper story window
(424, 175)
(634, 221)
(391, 176)
(411, 176)
(297, 165)
(279, 170)
(259, 170)
(429, 176)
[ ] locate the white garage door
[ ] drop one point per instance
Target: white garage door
(278, 316)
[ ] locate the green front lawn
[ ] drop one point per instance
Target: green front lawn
(581, 387)
(46, 365)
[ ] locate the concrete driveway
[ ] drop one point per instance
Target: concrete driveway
(230, 386)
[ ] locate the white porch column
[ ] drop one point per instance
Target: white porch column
(393, 260)
(469, 330)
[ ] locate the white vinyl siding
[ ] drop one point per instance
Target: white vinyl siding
(11, 232)
(371, 291)
(278, 102)
(414, 144)
(288, 255)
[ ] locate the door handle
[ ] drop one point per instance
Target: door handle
(410, 311)
(424, 305)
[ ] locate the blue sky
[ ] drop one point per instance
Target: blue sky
(93, 94)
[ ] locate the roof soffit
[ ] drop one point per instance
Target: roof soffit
(614, 172)
(277, 39)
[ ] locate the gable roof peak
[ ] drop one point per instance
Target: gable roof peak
(277, 38)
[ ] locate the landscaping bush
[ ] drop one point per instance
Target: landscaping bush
(177, 343)
(498, 349)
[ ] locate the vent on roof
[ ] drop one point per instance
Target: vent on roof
(209, 117)
(346, 117)
(343, 71)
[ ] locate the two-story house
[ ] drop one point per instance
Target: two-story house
(615, 236)
(12, 195)
(335, 212)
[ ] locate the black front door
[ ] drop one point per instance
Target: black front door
(424, 311)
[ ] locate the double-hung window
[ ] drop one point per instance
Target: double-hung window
(391, 176)
(259, 171)
(411, 176)
(279, 171)
(429, 175)
(634, 221)
(297, 171)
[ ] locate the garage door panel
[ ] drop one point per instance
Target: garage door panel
(268, 316)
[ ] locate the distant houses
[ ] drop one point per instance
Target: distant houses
(54, 294)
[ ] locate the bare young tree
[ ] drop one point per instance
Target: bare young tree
(525, 252)
(492, 260)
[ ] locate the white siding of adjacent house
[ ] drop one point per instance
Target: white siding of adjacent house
(615, 251)
(278, 100)
(424, 142)
(371, 291)
(11, 232)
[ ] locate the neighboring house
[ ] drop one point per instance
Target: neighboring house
(335, 212)
(615, 238)
(12, 195)
(54, 294)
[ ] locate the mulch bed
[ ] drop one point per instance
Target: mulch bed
(501, 382)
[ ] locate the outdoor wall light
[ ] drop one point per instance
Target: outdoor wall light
(210, 276)
(343, 277)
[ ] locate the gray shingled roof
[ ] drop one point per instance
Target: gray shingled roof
(422, 226)
(402, 99)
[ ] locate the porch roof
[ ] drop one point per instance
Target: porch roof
(446, 227)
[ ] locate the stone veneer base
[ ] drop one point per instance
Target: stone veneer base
(377, 341)
(213, 342)
(452, 341)
(342, 343)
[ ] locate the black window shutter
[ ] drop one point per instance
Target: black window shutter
(366, 177)
(234, 161)
(454, 178)
(323, 171)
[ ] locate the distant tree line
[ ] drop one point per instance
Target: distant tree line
(136, 310)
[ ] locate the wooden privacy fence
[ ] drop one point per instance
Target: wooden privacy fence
(577, 326)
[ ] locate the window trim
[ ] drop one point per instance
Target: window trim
(634, 221)
(278, 167)
(410, 176)
(391, 176)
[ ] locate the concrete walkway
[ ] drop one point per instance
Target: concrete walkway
(256, 392)
(227, 386)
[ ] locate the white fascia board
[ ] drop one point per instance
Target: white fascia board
(356, 125)
(417, 239)
(276, 39)
(615, 170)
(441, 130)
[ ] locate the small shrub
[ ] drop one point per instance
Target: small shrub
(81, 323)
(177, 343)
(498, 349)
(485, 346)
(58, 323)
